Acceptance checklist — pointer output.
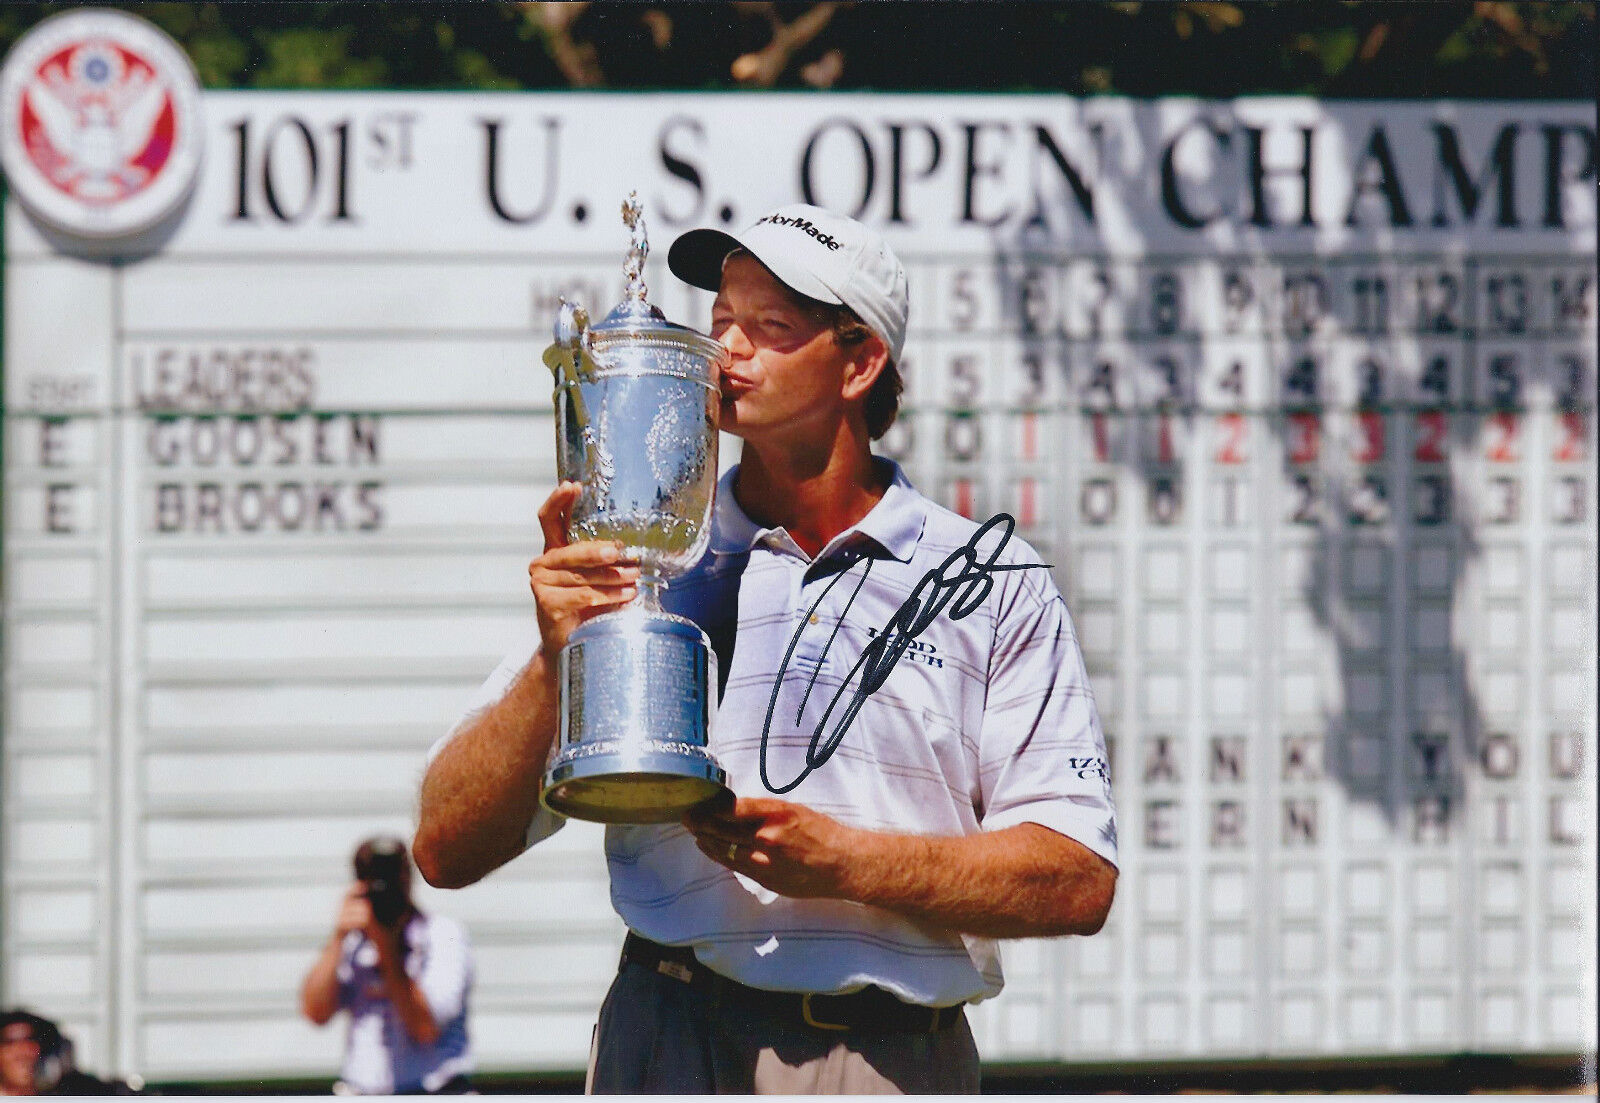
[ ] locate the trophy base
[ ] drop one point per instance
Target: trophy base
(631, 781)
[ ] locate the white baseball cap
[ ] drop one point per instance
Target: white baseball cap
(815, 252)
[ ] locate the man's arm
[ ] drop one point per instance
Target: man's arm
(319, 992)
(1027, 876)
(481, 791)
(1023, 881)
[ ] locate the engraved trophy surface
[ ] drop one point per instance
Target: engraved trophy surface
(636, 424)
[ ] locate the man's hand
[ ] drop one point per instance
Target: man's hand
(355, 914)
(1022, 881)
(788, 848)
(574, 582)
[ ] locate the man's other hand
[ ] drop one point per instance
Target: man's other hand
(573, 582)
(789, 848)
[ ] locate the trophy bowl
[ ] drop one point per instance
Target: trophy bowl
(637, 403)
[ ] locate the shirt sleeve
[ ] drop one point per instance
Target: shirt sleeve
(1042, 755)
(446, 976)
(545, 822)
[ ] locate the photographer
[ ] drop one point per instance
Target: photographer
(404, 977)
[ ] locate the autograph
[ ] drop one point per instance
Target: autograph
(962, 592)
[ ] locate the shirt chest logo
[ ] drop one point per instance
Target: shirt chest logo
(955, 588)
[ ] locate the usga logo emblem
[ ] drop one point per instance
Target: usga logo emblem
(100, 128)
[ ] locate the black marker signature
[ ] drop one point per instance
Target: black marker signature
(961, 592)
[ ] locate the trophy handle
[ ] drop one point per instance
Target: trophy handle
(574, 342)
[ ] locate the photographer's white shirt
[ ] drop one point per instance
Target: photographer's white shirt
(379, 1056)
(985, 722)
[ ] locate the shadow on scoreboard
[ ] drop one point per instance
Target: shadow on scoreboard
(1455, 1075)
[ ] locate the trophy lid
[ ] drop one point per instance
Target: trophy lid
(632, 322)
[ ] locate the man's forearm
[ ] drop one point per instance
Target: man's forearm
(319, 993)
(409, 1002)
(482, 790)
(1024, 881)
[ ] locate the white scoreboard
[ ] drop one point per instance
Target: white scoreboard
(1297, 397)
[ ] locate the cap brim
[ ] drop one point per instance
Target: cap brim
(697, 256)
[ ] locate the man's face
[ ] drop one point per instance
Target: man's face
(18, 1055)
(786, 371)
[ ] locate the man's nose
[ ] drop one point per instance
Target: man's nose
(734, 340)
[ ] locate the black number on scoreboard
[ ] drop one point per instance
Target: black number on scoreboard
(1505, 381)
(1166, 303)
(963, 301)
(1438, 302)
(1431, 500)
(1303, 508)
(1232, 381)
(1507, 296)
(965, 381)
(1371, 390)
(1434, 383)
(1033, 381)
(1574, 375)
(963, 437)
(1101, 390)
(1372, 303)
(1166, 368)
(1369, 503)
(1568, 508)
(1505, 500)
(1097, 501)
(1166, 503)
(1305, 303)
(1238, 293)
(1571, 301)
(1300, 381)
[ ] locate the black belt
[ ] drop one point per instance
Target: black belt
(871, 1010)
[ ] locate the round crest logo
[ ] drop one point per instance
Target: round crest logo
(100, 128)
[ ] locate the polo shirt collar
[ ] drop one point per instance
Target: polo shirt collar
(894, 524)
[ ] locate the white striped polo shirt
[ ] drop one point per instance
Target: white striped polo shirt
(985, 721)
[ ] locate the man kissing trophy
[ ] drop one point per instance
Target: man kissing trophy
(636, 424)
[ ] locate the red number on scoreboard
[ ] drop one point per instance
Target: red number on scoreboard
(1502, 447)
(1573, 445)
(1028, 437)
(1305, 437)
(1099, 438)
(961, 497)
(1369, 447)
(1432, 428)
(1231, 431)
(1027, 502)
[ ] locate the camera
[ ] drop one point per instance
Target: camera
(381, 867)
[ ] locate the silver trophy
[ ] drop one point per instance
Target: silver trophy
(636, 423)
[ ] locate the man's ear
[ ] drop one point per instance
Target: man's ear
(867, 361)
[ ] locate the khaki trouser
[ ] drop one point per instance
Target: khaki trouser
(658, 1035)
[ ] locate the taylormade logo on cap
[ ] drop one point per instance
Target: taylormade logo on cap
(855, 267)
(802, 224)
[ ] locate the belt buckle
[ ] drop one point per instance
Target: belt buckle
(812, 1020)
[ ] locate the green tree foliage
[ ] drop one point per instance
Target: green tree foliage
(1203, 47)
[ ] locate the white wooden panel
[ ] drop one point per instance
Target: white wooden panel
(38, 913)
(198, 579)
(56, 581)
(266, 639)
(53, 778)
